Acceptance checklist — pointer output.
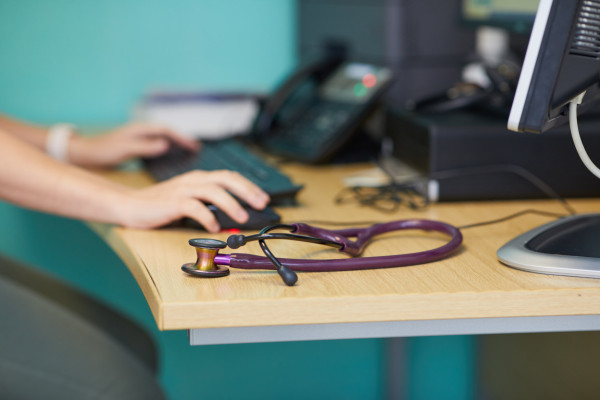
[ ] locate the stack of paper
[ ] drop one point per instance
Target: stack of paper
(200, 115)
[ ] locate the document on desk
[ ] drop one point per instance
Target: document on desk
(200, 115)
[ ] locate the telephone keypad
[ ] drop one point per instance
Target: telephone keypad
(318, 125)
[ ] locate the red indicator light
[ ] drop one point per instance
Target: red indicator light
(369, 80)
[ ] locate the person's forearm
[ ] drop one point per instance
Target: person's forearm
(33, 134)
(31, 179)
(63, 142)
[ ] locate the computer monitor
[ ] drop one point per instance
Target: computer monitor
(561, 63)
(512, 15)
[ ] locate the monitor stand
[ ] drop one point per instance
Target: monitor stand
(568, 246)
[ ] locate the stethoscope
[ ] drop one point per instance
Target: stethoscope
(211, 264)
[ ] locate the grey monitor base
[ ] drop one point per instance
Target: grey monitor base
(569, 246)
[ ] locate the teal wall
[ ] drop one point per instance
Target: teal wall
(87, 62)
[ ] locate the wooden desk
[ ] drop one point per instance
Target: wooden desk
(468, 293)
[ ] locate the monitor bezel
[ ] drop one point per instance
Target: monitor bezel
(552, 75)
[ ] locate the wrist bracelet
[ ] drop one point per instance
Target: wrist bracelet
(57, 141)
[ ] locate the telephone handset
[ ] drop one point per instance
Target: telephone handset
(316, 111)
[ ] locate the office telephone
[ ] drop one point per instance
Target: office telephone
(319, 108)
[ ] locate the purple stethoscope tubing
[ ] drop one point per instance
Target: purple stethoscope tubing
(354, 248)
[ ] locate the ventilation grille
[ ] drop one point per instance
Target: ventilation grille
(586, 38)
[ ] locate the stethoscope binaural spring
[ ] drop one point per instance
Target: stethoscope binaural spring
(210, 263)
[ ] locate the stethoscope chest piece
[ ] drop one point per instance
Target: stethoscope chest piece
(206, 250)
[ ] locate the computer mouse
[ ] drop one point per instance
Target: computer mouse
(257, 220)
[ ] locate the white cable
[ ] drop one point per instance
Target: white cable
(587, 161)
(57, 141)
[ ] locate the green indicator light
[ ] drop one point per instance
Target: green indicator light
(360, 90)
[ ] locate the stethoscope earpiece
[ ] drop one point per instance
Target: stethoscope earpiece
(236, 241)
(205, 266)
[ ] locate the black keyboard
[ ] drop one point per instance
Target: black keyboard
(225, 154)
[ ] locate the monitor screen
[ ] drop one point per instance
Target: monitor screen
(562, 61)
(514, 15)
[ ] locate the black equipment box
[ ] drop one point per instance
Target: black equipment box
(471, 155)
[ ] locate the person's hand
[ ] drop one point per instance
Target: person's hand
(129, 141)
(184, 196)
